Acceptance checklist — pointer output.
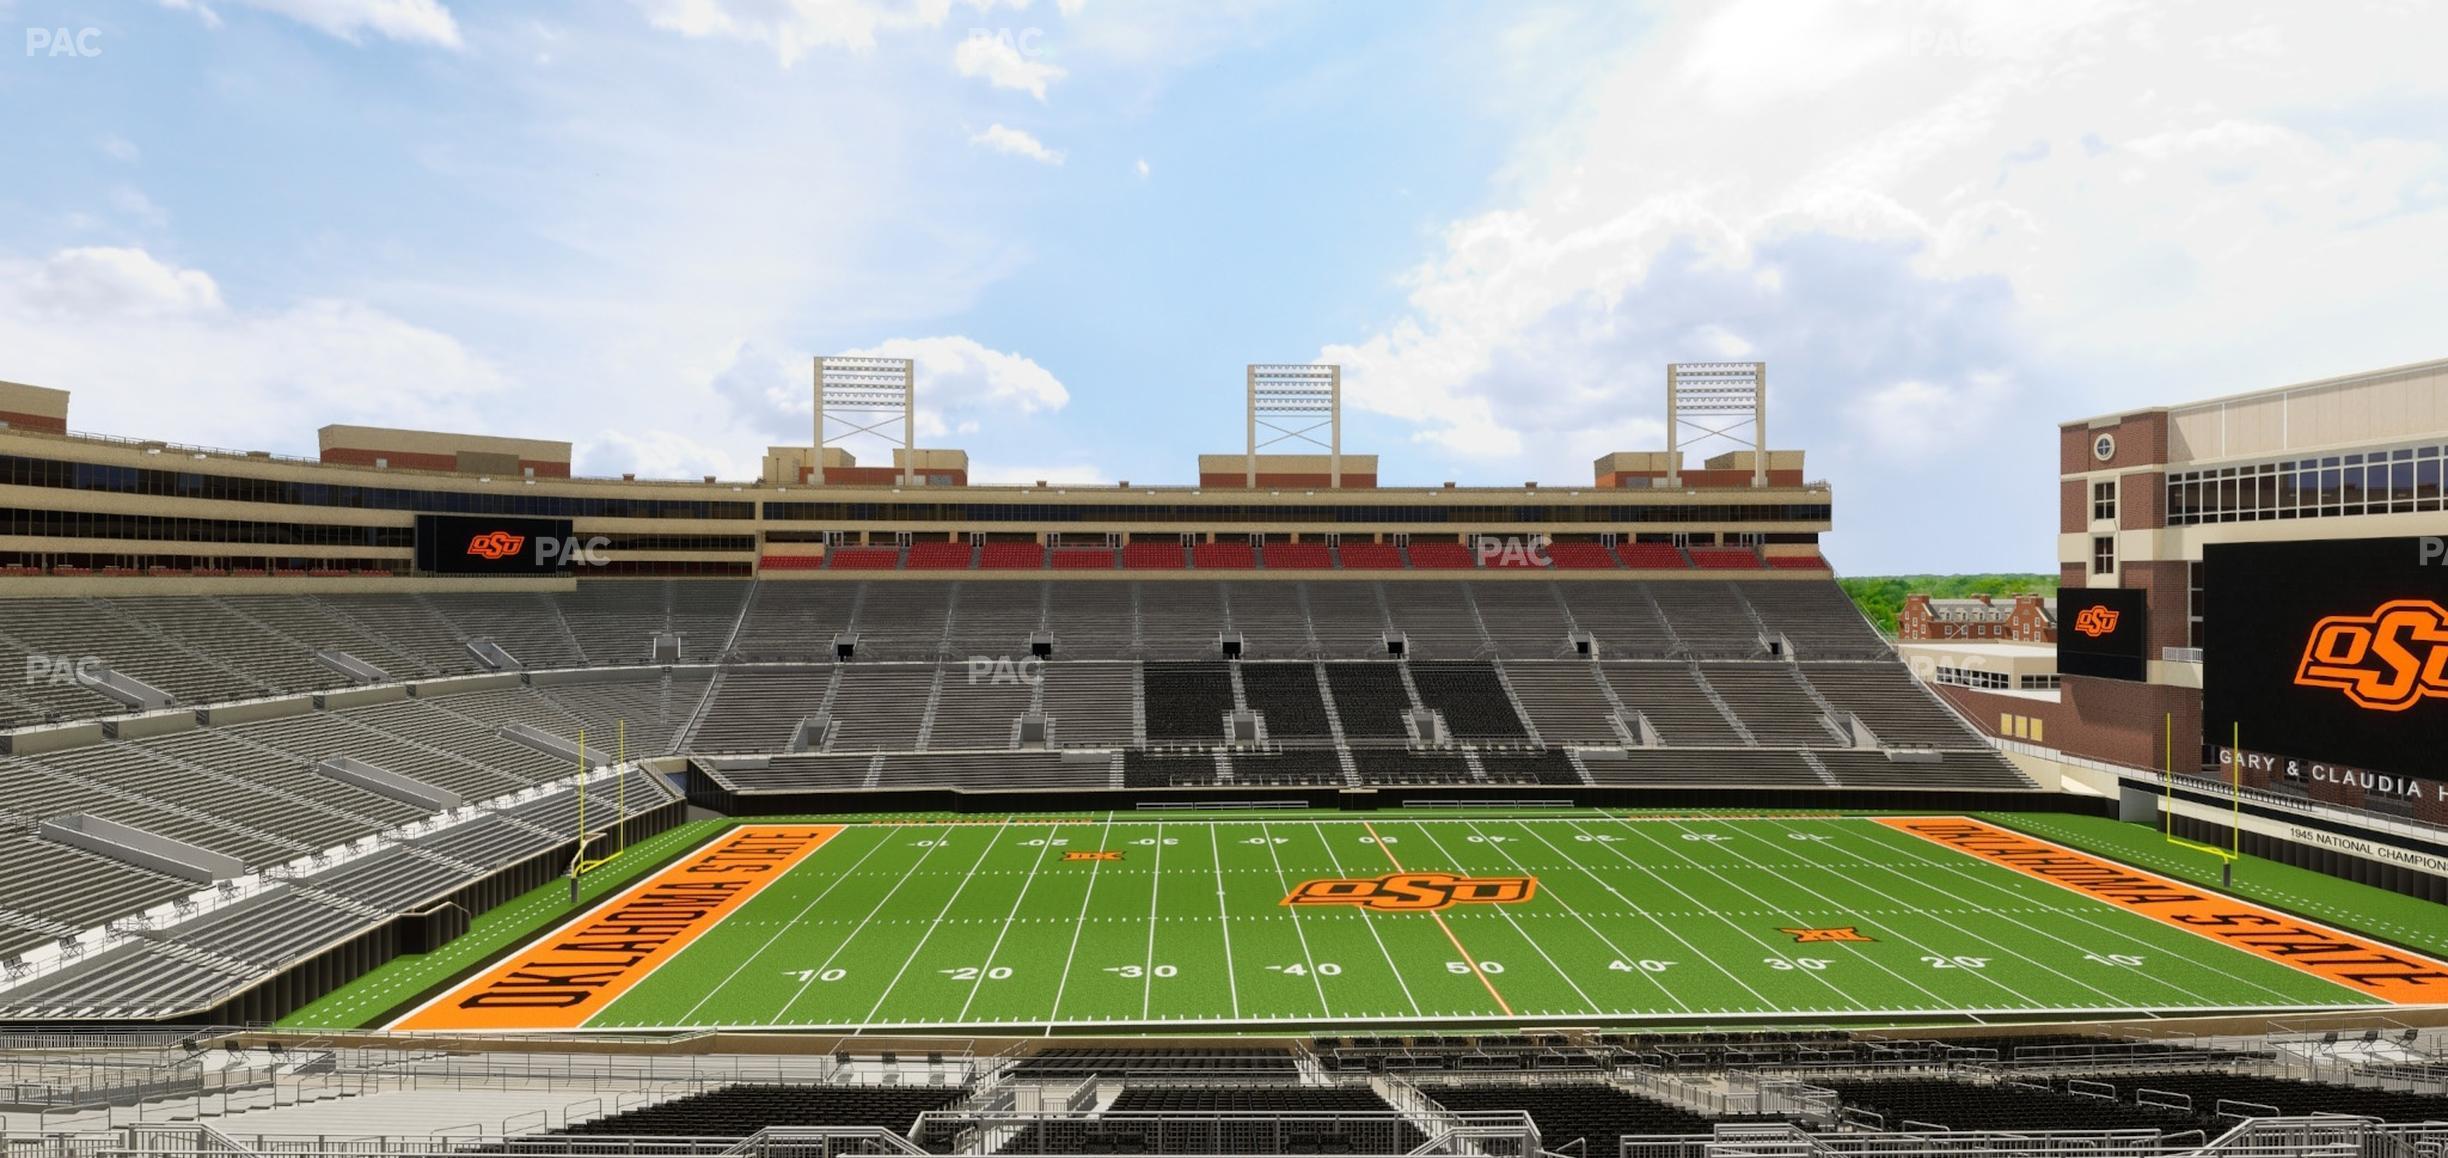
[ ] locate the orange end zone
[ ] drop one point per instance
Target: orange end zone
(571, 974)
(2358, 963)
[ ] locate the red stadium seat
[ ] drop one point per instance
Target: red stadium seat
(864, 558)
(1223, 556)
(1725, 558)
(1371, 556)
(939, 557)
(1299, 557)
(790, 562)
(1155, 555)
(1012, 557)
(1083, 559)
(1581, 556)
(1797, 563)
(1442, 557)
(1652, 557)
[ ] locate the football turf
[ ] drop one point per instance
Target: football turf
(1014, 927)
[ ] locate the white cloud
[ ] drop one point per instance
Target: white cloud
(1141, 167)
(794, 28)
(406, 21)
(103, 282)
(957, 374)
(132, 202)
(1915, 417)
(1720, 343)
(118, 148)
(1016, 143)
(965, 388)
(148, 347)
(1889, 204)
(1002, 61)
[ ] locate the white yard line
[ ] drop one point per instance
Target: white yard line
(1569, 907)
(1369, 920)
(1232, 982)
(861, 927)
(2001, 951)
(1697, 953)
(1772, 906)
(1034, 869)
(779, 932)
(1699, 905)
(1079, 925)
(929, 935)
(1325, 1007)
(1912, 849)
(1147, 969)
(1505, 911)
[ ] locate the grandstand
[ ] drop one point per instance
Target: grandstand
(1021, 765)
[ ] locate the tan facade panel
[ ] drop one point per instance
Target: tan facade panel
(2380, 407)
(38, 408)
(480, 454)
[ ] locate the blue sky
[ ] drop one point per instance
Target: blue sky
(1945, 227)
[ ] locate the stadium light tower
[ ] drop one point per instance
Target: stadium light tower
(866, 396)
(1294, 401)
(1731, 397)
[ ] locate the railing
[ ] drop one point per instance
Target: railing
(1774, 1140)
(41, 962)
(1504, 1134)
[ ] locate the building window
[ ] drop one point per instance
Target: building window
(1973, 678)
(2037, 683)
(2103, 501)
(2397, 480)
(2103, 554)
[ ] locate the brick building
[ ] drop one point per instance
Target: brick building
(2141, 492)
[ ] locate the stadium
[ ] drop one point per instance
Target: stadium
(424, 798)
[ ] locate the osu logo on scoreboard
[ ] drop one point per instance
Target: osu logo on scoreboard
(1420, 892)
(2386, 661)
(2097, 621)
(496, 545)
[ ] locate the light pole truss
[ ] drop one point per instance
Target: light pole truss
(856, 396)
(1292, 402)
(1730, 400)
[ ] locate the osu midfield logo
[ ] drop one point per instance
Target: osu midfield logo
(2097, 621)
(496, 545)
(2385, 661)
(1422, 892)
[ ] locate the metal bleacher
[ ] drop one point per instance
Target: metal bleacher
(931, 687)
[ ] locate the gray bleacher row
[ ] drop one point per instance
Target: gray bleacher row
(200, 961)
(252, 791)
(208, 649)
(914, 707)
(215, 649)
(1183, 619)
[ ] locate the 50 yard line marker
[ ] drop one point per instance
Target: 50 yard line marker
(1467, 959)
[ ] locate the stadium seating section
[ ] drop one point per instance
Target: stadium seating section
(1681, 689)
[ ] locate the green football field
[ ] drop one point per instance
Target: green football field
(1184, 926)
